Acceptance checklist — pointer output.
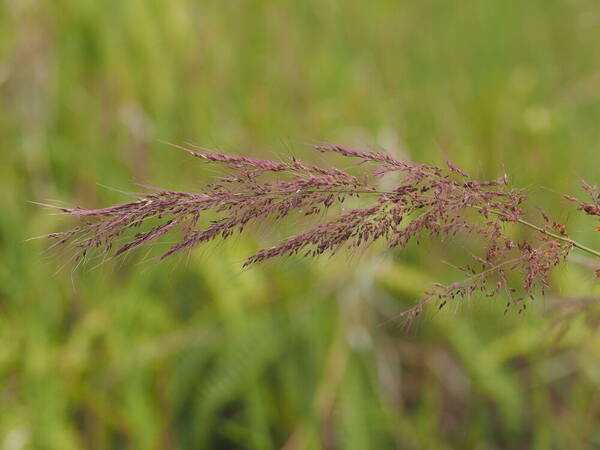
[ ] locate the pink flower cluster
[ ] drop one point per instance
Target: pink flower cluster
(426, 201)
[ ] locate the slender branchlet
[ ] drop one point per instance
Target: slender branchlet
(426, 201)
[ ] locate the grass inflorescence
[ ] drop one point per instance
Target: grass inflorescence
(427, 201)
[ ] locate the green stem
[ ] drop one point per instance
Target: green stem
(555, 236)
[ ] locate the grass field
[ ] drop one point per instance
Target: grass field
(195, 353)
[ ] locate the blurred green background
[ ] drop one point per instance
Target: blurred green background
(194, 353)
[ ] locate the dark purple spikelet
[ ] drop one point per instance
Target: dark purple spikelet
(427, 201)
(592, 208)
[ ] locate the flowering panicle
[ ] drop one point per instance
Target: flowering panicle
(427, 201)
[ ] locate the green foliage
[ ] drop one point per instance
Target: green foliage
(196, 353)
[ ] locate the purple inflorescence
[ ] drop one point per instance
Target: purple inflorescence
(427, 201)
